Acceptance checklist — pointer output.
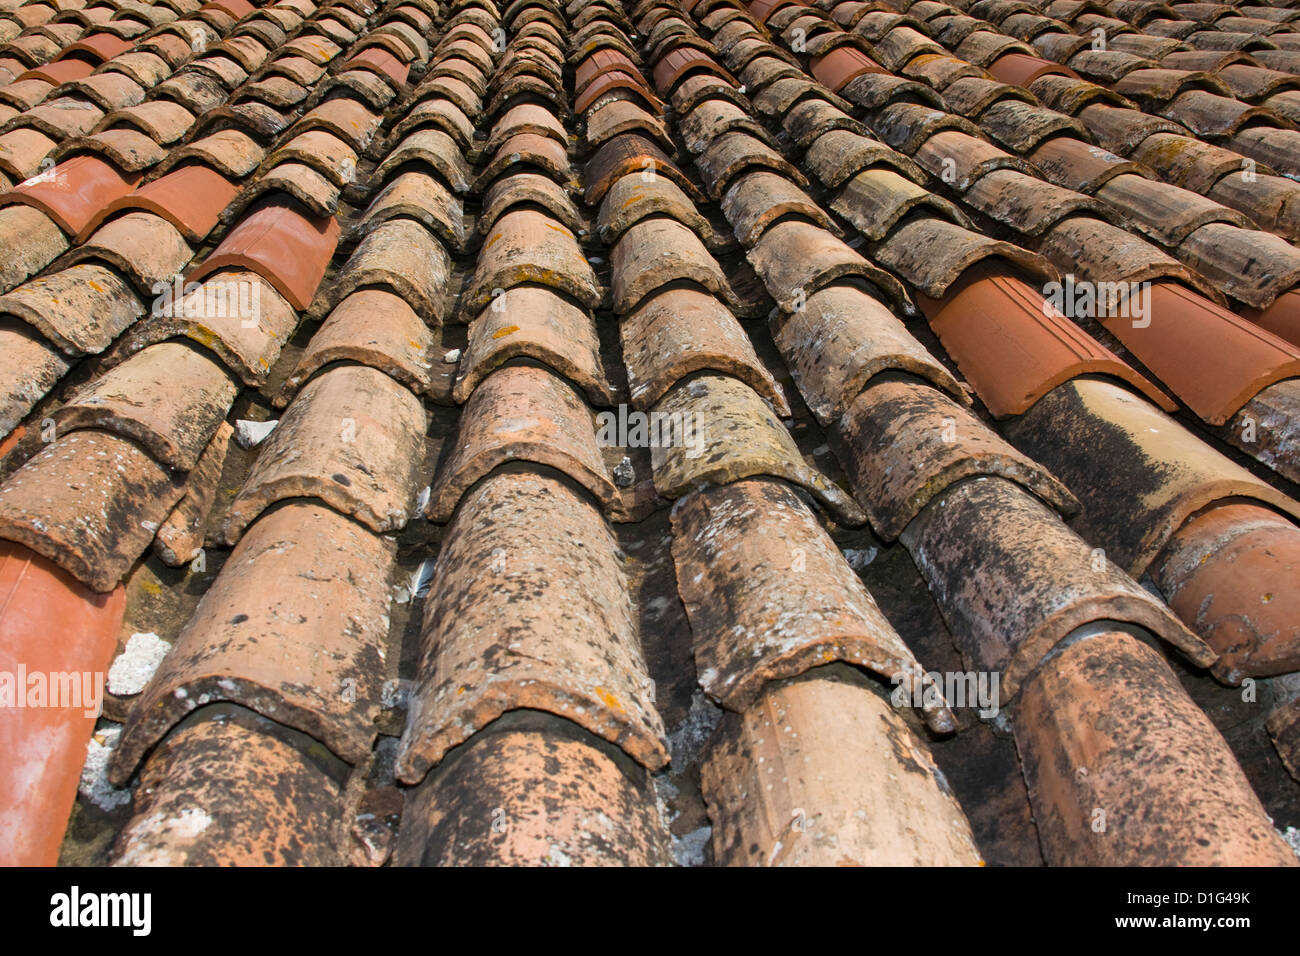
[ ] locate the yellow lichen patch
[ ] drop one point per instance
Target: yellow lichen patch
(502, 333)
(608, 699)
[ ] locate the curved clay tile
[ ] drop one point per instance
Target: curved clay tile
(1013, 347)
(874, 797)
(372, 327)
(1179, 474)
(128, 149)
(1187, 803)
(434, 148)
(932, 253)
(1022, 126)
(442, 113)
(1099, 252)
(630, 153)
(794, 259)
(656, 252)
(418, 196)
(531, 150)
(352, 438)
(1073, 164)
(522, 413)
(679, 331)
(324, 152)
(1122, 130)
(839, 155)
(730, 154)
(715, 429)
(959, 159)
(231, 152)
(73, 191)
(309, 187)
(264, 801)
(634, 198)
(288, 248)
(1166, 213)
(191, 198)
(551, 631)
(972, 95)
(563, 796)
(677, 63)
(761, 72)
(51, 624)
(623, 116)
(1153, 88)
(81, 309)
(401, 255)
(1013, 581)
(784, 94)
(599, 63)
(755, 200)
(1282, 318)
(840, 340)
(312, 665)
(525, 118)
(1253, 266)
(617, 80)
(528, 189)
(90, 502)
(146, 248)
(713, 117)
(904, 443)
(875, 199)
(534, 322)
(237, 315)
(163, 121)
(169, 398)
(526, 245)
(181, 537)
(901, 45)
(769, 596)
(837, 67)
(1212, 359)
(809, 119)
(1224, 571)
(1028, 205)
(1020, 69)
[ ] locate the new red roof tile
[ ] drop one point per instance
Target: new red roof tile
(191, 198)
(51, 623)
(73, 192)
(278, 242)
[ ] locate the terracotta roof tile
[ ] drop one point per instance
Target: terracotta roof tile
(564, 798)
(1190, 785)
(81, 309)
(566, 645)
(180, 537)
(833, 807)
(522, 413)
(733, 548)
(268, 802)
(44, 747)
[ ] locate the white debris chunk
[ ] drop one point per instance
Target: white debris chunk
(135, 666)
(250, 434)
(94, 773)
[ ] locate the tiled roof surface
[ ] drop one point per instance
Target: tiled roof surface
(650, 433)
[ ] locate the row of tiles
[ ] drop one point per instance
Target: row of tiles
(494, 272)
